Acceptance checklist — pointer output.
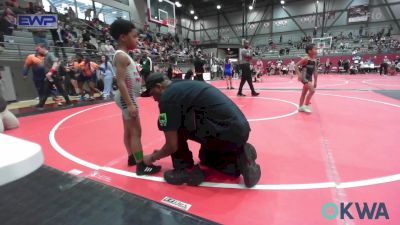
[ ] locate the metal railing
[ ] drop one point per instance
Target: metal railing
(20, 49)
(93, 54)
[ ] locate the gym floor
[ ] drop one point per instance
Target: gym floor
(346, 150)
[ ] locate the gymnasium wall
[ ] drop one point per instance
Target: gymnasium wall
(272, 21)
(137, 8)
(24, 89)
(186, 27)
(376, 58)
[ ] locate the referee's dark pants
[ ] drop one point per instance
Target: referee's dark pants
(215, 153)
(145, 75)
(383, 68)
(246, 76)
(57, 81)
(199, 77)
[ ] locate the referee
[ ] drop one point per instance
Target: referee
(198, 63)
(197, 111)
(244, 63)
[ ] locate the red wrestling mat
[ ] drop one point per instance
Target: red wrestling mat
(345, 151)
(331, 81)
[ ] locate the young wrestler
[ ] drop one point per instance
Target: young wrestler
(129, 84)
(228, 74)
(309, 69)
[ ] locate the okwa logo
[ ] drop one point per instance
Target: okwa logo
(364, 210)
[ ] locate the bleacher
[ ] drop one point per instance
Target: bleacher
(294, 52)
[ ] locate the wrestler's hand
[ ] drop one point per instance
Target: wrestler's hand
(132, 111)
(48, 76)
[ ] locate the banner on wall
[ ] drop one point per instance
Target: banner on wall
(358, 13)
(311, 19)
(281, 23)
(36, 21)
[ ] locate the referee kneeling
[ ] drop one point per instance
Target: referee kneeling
(197, 111)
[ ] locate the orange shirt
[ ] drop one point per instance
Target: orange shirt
(33, 60)
(77, 65)
(88, 70)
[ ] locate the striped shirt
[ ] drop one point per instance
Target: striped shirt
(133, 83)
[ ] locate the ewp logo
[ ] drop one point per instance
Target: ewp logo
(45, 21)
(331, 211)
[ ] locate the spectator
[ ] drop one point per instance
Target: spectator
(31, 9)
(340, 62)
(71, 13)
(40, 35)
(397, 63)
(107, 49)
(108, 75)
(397, 60)
(89, 74)
(71, 36)
(90, 48)
(85, 36)
(341, 45)
(72, 72)
(168, 71)
(327, 66)
(389, 33)
(6, 27)
(12, 3)
(189, 75)
(214, 70)
(292, 68)
(53, 77)
(88, 13)
(59, 38)
(346, 65)
(384, 66)
(199, 66)
(147, 66)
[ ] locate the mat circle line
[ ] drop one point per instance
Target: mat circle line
(304, 186)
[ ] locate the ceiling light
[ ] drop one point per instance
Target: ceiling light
(282, 2)
(218, 6)
(192, 12)
(195, 17)
(251, 7)
(178, 4)
(160, 0)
